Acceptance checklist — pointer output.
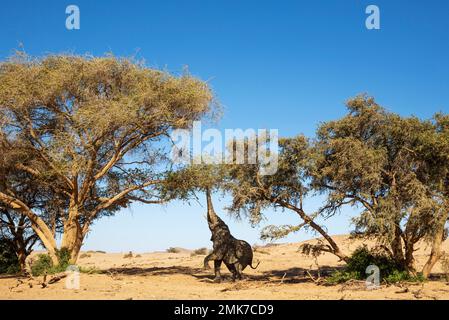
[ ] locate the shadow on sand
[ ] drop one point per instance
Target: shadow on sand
(291, 275)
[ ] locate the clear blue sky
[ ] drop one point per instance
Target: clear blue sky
(273, 64)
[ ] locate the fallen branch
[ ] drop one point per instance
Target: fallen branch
(318, 280)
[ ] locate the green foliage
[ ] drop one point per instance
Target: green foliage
(183, 184)
(391, 167)
(44, 265)
(341, 276)
(401, 276)
(361, 258)
(272, 232)
(9, 263)
(105, 120)
(63, 257)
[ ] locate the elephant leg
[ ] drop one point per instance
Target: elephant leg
(238, 270)
(208, 258)
(217, 266)
(233, 270)
(206, 262)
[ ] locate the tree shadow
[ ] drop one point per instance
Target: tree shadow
(14, 276)
(299, 275)
(293, 275)
(198, 273)
(439, 276)
(135, 271)
(286, 276)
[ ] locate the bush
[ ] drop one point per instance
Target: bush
(200, 252)
(44, 265)
(41, 265)
(90, 270)
(401, 276)
(128, 255)
(361, 258)
(342, 276)
(173, 250)
(9, 263)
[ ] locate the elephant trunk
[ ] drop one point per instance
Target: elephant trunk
(212, 217)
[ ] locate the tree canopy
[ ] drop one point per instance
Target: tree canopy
(91, 129)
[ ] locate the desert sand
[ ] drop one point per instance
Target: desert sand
(282, 274)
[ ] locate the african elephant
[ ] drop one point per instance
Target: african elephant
(236, 254)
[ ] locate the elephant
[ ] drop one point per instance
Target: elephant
(234, 253)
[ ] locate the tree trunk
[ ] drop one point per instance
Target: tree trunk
(49, 244)
(409, 261)
(396, 247)
(22, 256)
(335, 248)
(20, 247)
(72, 239)
(435, 253)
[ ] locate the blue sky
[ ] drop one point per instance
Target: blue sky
(286, 65)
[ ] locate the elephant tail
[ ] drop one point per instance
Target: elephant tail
(251, 265)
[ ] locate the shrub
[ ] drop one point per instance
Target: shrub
(44, 265)
(361, 258)
(401, 276)
(173, 250)
(341, 276)
(128, 255)
(200, 252)
(9, 263)
(85, 255)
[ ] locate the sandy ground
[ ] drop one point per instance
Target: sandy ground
(281, 275)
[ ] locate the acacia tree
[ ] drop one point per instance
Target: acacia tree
(373, 159)
(252, 192)
(286, 189)
(94, 128)
(433, 150)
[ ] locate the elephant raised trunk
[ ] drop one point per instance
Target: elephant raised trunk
(212, 217)
(236, 254)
